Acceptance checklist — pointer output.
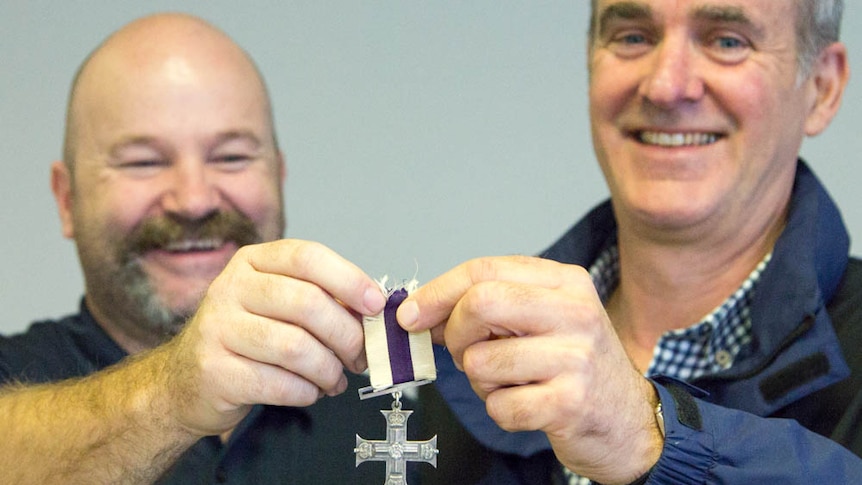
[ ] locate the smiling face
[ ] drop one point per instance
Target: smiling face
(173, 167)
(696, 111)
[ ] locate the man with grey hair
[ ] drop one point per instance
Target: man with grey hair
(704, 324)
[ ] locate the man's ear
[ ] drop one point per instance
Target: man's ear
(282, 167)
(61, 186)
(830, 75)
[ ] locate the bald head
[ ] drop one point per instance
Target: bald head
(169, 144)
(162, 49)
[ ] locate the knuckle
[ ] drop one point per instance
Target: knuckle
(295, 391)
(576, 276)
(346, 341)
(258, 336)
(296, 349)
(521, 294)
(522, 259)
(304, 356)
(480, 269)
(353, 339)
(480, 300)
(244, 257)
(509, 415)
(432, 294)
(471, 363)
(265, 292)
(328, 373)
(304, 256)
(580, 272)
(307, 301)
(581, 314)
(488, 360)
(234, 276)
(245, 253)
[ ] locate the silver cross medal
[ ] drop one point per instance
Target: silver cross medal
(396, 450)
(396, 361)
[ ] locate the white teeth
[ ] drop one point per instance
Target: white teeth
(677, 139)
(194, 245)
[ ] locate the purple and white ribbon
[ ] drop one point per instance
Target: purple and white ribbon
(395, 356)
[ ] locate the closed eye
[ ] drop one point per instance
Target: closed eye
(142, 164)
(232, 161)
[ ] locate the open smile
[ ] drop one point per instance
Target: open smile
(674, 140)
(194, 245)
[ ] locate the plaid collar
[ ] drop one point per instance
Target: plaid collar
(707, 347)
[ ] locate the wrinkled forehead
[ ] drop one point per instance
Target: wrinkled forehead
(739, 11)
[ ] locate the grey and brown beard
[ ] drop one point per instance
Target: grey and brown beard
(128, 290)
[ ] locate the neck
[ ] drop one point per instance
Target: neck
(128, 337)
(664, 287)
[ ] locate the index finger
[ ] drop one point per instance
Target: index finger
(431, 305)
(317, 264)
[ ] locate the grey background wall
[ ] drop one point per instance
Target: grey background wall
(417, 134)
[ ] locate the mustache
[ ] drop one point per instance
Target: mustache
(162, 231)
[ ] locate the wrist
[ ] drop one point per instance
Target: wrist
(654, 426)
(648, 442)
(645, 441)
(154, 395)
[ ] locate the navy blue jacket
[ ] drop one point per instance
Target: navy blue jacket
(788, 412)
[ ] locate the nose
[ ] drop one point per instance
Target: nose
(192, 193)
(672, 77)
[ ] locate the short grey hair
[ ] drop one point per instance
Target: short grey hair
(818, 24)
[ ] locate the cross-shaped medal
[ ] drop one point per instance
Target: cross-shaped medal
(396, 451)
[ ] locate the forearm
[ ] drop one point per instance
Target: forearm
(110, 427)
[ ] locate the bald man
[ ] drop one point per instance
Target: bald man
(198, 355)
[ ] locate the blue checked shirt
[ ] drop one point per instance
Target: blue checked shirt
(709, 346)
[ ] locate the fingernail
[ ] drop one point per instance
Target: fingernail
(360, 364)
(373, 300)
(339, 388)
(408, 314)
